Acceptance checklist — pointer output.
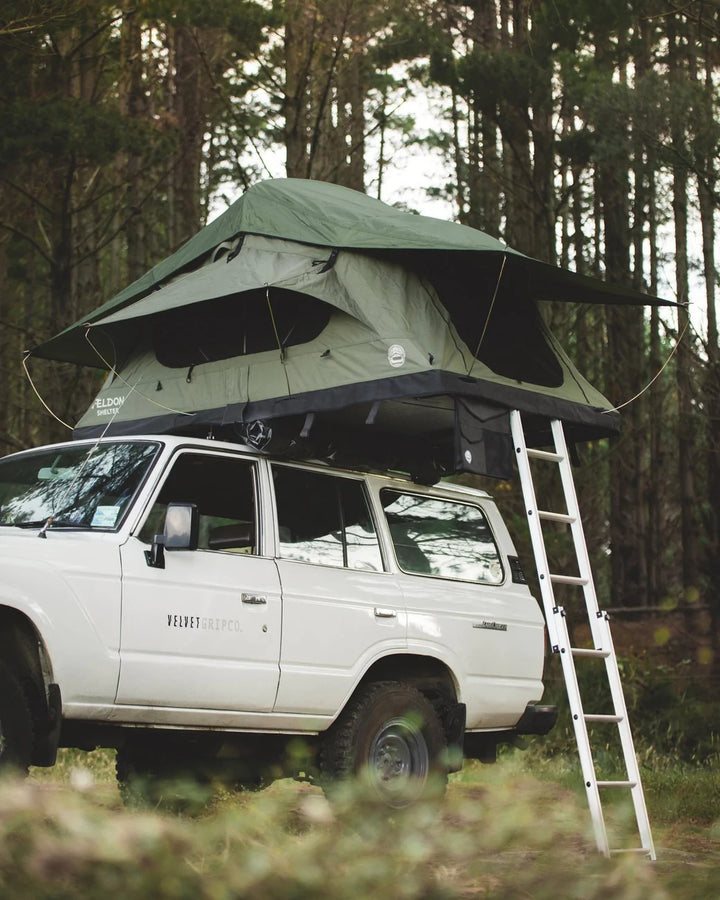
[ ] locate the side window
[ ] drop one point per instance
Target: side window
(439, 537)
(223, 489)
(324, 519)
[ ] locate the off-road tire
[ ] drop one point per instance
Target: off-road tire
(391, 739)
(16, 725)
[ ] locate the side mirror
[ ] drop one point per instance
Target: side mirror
(181, 526)
(180, 533)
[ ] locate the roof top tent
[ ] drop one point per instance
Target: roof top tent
(313, 319)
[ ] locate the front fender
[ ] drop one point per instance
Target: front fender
(68, 587)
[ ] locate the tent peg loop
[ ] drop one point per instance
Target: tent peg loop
(238, 247)
(330, 261)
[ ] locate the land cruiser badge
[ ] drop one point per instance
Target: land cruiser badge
(491, 626)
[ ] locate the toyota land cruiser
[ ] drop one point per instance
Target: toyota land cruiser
(181, 599)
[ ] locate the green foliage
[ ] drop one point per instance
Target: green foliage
(443, 66)
(245, 20)
(517, 829)
(674, 792)
(288, 843)
(407, 38)
(62, 127)
(671, 707)
(25, 17)
(501, 77)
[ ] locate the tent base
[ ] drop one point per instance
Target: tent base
(427, 437)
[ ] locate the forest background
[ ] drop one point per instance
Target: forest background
(583, 132)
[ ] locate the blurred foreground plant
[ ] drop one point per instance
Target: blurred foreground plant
(518, 838)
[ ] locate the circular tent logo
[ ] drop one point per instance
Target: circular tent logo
(396, 355)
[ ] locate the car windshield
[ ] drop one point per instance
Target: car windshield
(79, 486)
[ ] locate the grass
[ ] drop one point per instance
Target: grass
(674, 791)
(517, 829)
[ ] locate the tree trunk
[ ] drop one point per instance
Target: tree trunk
(625, 359)
(657, 475)
(706, 190)
(484, 159)
(686, 478)
(517, 164)
(133, 104)
(325, 90)
(543, 147)
(186, 212)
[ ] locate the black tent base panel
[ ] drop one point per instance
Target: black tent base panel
(425, 458)
(426, 438)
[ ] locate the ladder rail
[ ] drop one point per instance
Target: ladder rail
(582, 736)
(535, 525)
(576, 528)
(628, 745)
(560, 639)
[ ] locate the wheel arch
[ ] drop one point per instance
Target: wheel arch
(424, 672)
(433, 678)
(24, 652)
(22, 646)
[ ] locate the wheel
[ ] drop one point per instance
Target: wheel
(390, 736)
(16, 728)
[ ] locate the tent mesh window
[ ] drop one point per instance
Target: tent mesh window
(237, 325)
(466, 286)
(535, 362)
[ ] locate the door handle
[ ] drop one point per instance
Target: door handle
(381, 613)
(253, 599)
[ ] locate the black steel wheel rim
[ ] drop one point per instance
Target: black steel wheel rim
(399, 763)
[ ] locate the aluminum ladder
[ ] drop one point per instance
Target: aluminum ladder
(559, 636)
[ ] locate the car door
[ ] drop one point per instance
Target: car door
(204, 631)
(462, 606)
(341, 609)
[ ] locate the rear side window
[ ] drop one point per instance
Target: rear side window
(324, 519)
(444, 538)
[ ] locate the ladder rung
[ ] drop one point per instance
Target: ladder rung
(556, 517)
(618, 784)
(586, 651)
(595, 717)
(644, 850)
(545, 454)
(569, 579)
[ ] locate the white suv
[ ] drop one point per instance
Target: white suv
(187, 600)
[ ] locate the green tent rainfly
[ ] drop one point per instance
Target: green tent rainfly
(312, 319)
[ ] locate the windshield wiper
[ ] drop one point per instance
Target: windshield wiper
(47, 522)
(31, 523)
